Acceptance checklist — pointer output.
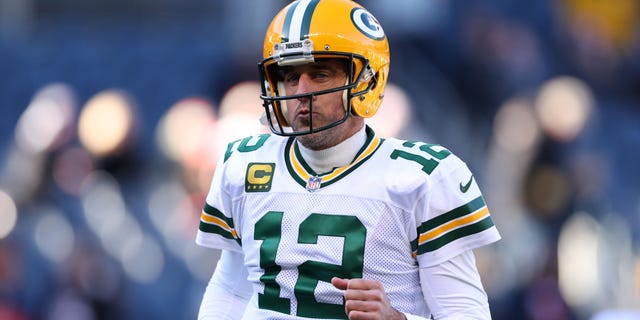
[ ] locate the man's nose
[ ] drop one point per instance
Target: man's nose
(304, 85)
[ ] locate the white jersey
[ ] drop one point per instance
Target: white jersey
(398, 206)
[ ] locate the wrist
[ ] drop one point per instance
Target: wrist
(400, 315)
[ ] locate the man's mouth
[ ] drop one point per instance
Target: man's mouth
(303, 113)
(303, 117)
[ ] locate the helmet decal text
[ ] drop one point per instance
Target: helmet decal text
(367, 23)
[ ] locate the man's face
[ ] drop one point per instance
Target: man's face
(317, 76)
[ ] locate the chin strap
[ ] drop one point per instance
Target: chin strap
(345, 98)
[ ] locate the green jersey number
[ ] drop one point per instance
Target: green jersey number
(428, 164)
(247, 144)
(268, 229)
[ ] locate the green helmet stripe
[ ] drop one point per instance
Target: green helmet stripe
(297, 22)
(287, 22)
(306, 20)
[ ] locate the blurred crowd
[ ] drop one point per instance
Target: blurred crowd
(113, 114)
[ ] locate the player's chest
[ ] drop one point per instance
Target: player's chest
(330, 228)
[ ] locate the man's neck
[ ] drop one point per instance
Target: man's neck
(322, 161)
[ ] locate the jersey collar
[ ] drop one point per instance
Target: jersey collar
(302, 172)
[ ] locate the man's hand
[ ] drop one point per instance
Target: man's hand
(366, 300)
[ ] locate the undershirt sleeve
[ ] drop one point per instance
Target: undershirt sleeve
(228, 291)
(453, 289)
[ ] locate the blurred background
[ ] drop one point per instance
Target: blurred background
(113, 113)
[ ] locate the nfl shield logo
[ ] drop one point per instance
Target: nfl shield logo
(313, 183)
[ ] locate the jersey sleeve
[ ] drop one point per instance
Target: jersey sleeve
(217, 227)
(453, 216)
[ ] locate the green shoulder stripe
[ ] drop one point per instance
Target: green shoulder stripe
(456, 234)
(454, 214)
(470, 218)
(214, 221)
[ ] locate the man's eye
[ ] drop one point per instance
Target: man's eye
(321, 75)
(291, 77)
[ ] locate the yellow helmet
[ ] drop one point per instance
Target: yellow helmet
(306, 30)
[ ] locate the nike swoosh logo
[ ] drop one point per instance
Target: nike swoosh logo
(466, 186)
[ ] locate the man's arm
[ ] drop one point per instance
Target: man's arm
(228, 291)
(453, 289)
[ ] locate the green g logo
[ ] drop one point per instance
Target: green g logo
(367, 24)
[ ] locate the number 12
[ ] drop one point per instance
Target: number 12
(268, 229)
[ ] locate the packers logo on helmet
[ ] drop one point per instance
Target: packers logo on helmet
(367, 23)
(307, 30)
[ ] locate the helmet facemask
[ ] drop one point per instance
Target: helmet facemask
(275, 99)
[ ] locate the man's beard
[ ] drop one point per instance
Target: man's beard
(321, 140)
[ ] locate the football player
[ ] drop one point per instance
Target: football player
(323, 219)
